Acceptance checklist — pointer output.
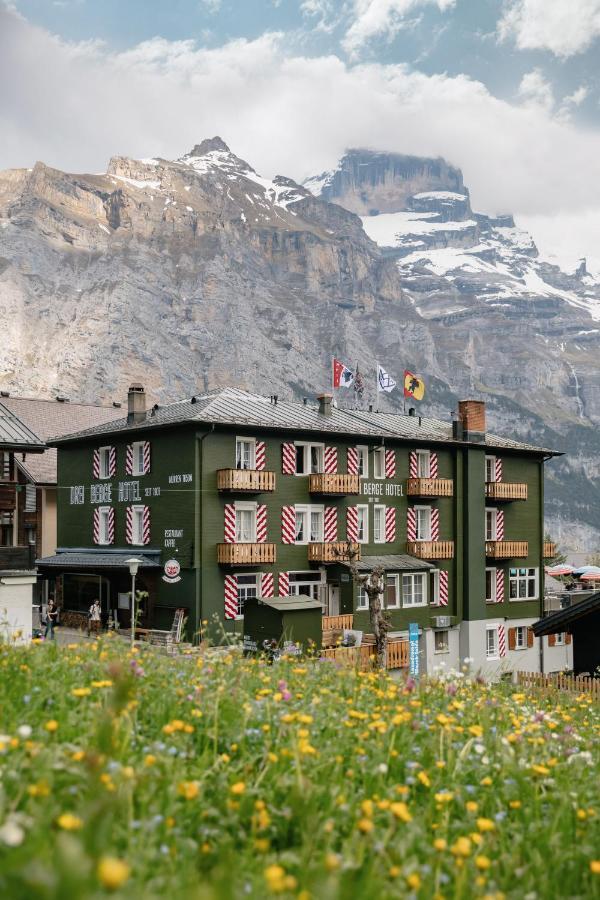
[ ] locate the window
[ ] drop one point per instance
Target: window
(246, 588)
(363, 524)
(423, 523)
(559, 639)
(5, 466)
(363, 461)
(309, 524)
(520, 637)
(440, 642)
(306, 584)
(30, 498)
(309, 458)
(379, 462)
(491, 642)
(244, 453)
(435, 587)
(423, 464)
(490, 524)
(245, 523)
(6, 529)
(392, 592)
(138, 458)
(523, 584)
(414, 590)
(363, 599)
(490, 468)
(104, 519)
(490, 585)
(104, 462)
(379, 524)
(137, 525)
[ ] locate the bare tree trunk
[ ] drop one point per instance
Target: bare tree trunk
(374, 585)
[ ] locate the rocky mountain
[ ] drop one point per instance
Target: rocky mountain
(198, 272)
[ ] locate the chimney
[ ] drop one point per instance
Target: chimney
(325, 401)
(471, 420)
(136, 404)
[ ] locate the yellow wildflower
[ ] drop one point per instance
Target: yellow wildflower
(149, 760)
(540, 770)
(51, 725)
(81, 691)
(414, 881)
(365, 825)
(595, 866)
(69, 822)
(486, 824)
(188, 789)
(400, 811)
(471, 806)
(439, 844)
(423, 777)
(482, 863)
(461, 847)
(515, 804)
(238, 788)
(112, 872)
(332, 862)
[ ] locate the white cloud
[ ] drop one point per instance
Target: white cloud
(564, 27)
(382, 18)
(536, 90)
(75, 105)
(211, 6)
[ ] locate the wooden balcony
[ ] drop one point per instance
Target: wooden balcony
(336, 551)
(8, 497)
(430, 487)
(506, 549)
(505, 490)
(431, 549)
(246, 554)
(549, 549)
(248, 481)
(334, 485)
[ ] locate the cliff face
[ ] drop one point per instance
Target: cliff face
(197, 273)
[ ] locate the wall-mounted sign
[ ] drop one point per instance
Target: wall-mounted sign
(382, 489)
(172, 535)
(413, 648)
(101, 493)
(152, 492)
(172, 570)
(180, 479)
(129, 491)
(77, 494)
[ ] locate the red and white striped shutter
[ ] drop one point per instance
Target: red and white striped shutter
(267, 586)
(443, 587)
(112, 462)
(352, 524)
(499, 585)
(146, 457)
(288, 458)
(261, 523)
(330, 524)
(390, 524)
(413, 466)
(283, 585)
(111, 525)
(433, 464)
(435, 524)
(129, 460)
(352, 461)
(96, 526)
(231, 597)
(390, 464)
(146, 526)
(96, 464)
(501, 640)
(411, 524)
(500, 525)
(288, 525)
(260, 456)
(498, 469)
(129, 524)
(331, 460)
(229, 523)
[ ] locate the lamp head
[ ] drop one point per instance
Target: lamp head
(133, 565)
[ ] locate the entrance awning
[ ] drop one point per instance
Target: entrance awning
(392, 563)
(101, 559)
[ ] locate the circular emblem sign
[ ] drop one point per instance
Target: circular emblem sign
(172, 570)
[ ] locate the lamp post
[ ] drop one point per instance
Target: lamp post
(133, 567)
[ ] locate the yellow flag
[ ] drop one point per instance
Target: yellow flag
(414, 386)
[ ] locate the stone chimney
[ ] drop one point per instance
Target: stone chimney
(325, 404)
(136, 404)
(471, 420)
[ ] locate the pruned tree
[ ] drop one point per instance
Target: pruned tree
(559, 556)
(373, 583)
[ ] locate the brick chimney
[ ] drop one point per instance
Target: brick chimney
(136, 404)
(325, 401)
(471, 420)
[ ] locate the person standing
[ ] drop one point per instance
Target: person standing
(51, 617)
(95, 615)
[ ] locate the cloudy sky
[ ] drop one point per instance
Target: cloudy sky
(509, 90)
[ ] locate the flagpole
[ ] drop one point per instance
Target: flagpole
(376, 386)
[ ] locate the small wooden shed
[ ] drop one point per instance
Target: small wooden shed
(284, 623)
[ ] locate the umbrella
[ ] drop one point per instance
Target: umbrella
(559, 570)
(591, 576)
(583, 570)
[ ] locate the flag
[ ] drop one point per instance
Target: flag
(385, 382)
(414, 386)
(342, 375)
(359, 383)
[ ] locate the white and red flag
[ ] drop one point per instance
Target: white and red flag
(342, 375)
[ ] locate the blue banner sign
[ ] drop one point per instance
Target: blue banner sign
(413, 648)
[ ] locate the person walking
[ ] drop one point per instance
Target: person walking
(51, 617)
(94, 619)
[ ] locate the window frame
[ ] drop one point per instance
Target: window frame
(307, 446)
(245, 506)
(104, 456)
(307, 509)
(492, 512)
(492, 571)
(413, 576)
(492, 629)
(379, 515)
(362, 594)
(435, 587)
(252, 455)
(423, 455)
(419, 509)
(138, 448)
(103, 516)
(446, 647)
(560, 639)
(520, 631)
(362, 452)
(379, 460)
(527, 577)
(317, 580)
(237, 576)
(491, 462)
(364, 507)
(395, 576)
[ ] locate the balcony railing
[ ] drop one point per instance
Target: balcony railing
(334, 484)
(506, 549)
(430, 487)
(336, 551)
(549, 549)
(431, 549)
(343, 621)
(246, 554)
(505, 490)
(249, 480)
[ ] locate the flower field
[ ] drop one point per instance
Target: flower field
(145, 776)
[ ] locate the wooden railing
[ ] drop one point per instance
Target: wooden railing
(345, 621)
(430, 487)
(505, 490)
(363, 657)
(336, 551)
(8, 497)
(431, 549)
(334, 484)
(246, 554)
(249, 480)
(506, 549)
(549, 549)
(581, 684)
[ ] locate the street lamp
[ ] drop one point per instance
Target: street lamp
(133, 564)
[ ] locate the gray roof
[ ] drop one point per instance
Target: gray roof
(563, 618)
(80, 559)
(15, 435)
(240, 408)
(282, 604)
(391, 563)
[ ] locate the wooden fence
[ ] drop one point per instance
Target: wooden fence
(363, 657)
(581, 684)
(343, 621)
